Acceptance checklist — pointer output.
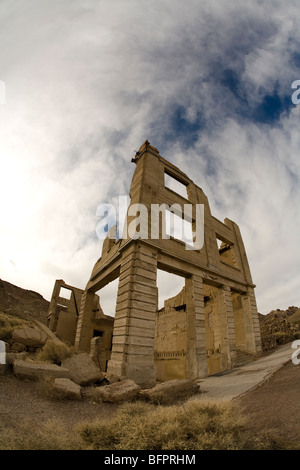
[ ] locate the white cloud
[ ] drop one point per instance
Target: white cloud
(88, 82)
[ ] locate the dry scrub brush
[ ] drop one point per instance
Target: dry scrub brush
(7, 325)
(54, 352)
(52, 435)
(196, 425)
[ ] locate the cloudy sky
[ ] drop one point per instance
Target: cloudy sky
(208, 82)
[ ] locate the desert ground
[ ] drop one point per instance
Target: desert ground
(272, 407)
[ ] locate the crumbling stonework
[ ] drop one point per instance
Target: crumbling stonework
(63, 320)
(203, 329)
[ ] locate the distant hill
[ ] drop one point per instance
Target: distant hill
(279, 327)
(22, 303)
(295, 318)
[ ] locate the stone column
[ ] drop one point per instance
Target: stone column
(252, 327)
(134, 328)
(228, 341)
(196, 363)
(84, 331)
(52, 315)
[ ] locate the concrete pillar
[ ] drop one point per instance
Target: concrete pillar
(134, 328)
(228, 343)
(98, 351)
(196, 364)
(84, 332)
(52, 313)
(252, 327)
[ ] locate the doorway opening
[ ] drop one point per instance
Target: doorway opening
(170, 341)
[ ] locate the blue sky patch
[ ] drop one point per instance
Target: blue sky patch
(184, 130)
(271, 108)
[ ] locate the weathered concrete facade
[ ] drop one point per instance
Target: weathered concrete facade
(208, 324)
(63, 320)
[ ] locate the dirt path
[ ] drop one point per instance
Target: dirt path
(275, 405)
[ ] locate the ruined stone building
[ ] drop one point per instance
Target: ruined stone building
(204, 329)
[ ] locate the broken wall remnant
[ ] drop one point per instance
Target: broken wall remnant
(63, 320)
(203, 329)
(64, 310)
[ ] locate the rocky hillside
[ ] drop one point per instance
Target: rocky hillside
(22, 303)
(279, 327)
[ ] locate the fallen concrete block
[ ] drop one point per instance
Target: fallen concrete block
(118, 392)
(82, 369)
(11, 357)
(48, 332)
(170, 391)
(112, 378)
(31, 337)
(36, 370)
(67, 388)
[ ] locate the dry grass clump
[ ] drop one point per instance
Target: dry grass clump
(46, 389)
(7, 324)
(54, 352)
(196, 425)
(53, 435)
(6, 333)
